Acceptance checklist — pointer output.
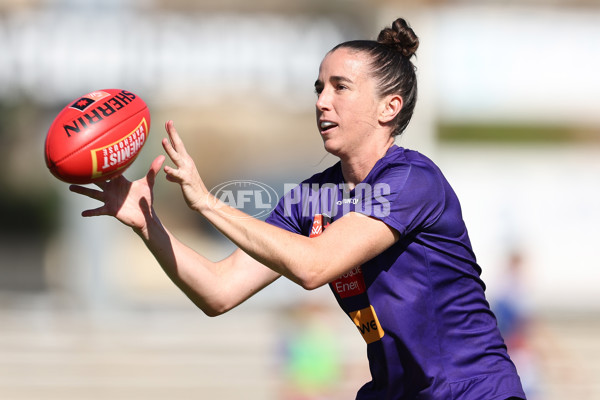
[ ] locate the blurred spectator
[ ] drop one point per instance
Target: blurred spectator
(512, 309)
(311, 362)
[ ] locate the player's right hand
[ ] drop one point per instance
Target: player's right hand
(129, 202)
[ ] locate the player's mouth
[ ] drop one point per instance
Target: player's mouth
(325, 126)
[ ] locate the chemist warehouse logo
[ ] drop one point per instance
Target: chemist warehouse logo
(254, 199)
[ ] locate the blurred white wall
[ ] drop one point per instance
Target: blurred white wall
(529, 63)
(53, 54)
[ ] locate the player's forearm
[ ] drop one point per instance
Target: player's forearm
(296, 257)
(195, 275)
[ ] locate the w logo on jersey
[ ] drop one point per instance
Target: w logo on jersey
(320, 222)
(317, 226)
(368, 324)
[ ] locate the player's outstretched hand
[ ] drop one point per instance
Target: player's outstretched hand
(185, 172)
(129, 202)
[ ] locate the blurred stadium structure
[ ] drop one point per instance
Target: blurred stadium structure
(509, 108)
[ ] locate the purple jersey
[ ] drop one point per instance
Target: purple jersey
(420, 305)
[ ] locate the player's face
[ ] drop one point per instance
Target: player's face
(347, 104)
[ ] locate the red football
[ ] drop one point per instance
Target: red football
(97, 136)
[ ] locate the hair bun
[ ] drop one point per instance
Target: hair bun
(401, 37)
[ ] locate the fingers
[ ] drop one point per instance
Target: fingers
(175, 140)
(94, 194)
(176, 151)
(173, 174)
(95, 212)
(101, 184)
(154, 169)
(171, 152)
(89, 192)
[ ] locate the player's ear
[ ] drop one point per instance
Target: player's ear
(390, 108)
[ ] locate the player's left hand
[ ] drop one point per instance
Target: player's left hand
(185, 172)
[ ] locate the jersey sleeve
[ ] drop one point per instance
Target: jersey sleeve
(407, 197)
(295, 210)
(286, 214)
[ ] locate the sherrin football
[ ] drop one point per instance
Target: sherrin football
(97, 136)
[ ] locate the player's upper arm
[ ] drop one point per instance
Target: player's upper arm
(350, 241)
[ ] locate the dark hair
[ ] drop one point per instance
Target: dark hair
(391, 66)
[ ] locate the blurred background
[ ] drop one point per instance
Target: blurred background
(509, 108)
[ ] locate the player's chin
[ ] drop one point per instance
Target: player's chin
(332, 146)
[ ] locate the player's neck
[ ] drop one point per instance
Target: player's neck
(356, 167)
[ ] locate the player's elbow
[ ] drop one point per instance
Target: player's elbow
(311, 280)
(310, 272)
(310, 285)
(213, 312)
(213, 309)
